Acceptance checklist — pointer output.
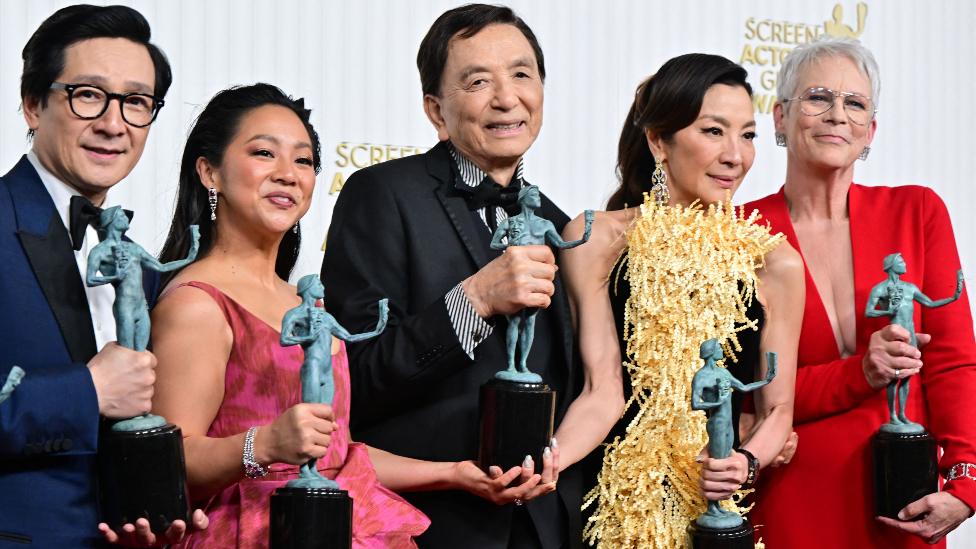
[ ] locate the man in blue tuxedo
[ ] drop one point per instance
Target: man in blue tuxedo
(91, 86)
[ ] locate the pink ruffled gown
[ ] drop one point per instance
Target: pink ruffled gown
(261, 382)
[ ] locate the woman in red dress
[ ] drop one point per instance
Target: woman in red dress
(824, 498)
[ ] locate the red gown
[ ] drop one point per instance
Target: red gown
(824, 497)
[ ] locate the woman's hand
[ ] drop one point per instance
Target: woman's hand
(890, 356)
(931, 517)
(302, 433)
(495, 488)
(786, 454)
(722, 477)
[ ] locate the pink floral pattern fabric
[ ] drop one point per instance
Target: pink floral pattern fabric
(262, 381)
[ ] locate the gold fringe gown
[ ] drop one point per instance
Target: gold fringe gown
(692, 274)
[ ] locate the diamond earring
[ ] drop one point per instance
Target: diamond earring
(212, 199)
(659, 185)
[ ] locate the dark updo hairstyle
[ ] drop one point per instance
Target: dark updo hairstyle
(43, 54)
(665, 103)
(212, 132)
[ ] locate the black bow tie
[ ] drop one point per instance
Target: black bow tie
(491, 194)
(81, 214)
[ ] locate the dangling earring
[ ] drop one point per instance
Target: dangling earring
(212, 199)
(659, 185)
(780, 139)
(864, 153)
(295, 228)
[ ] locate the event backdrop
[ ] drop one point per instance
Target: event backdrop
(354, 62)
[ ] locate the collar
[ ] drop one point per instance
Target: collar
(472, 175)
(60, 191)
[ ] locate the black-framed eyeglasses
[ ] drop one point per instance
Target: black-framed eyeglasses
(88, 102)
(816, 101)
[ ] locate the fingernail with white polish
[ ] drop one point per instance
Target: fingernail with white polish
(527, 462)
(553, 443)
(546, 452)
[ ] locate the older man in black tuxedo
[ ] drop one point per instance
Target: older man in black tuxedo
(417, 231)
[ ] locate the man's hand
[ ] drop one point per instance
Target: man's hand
(931, 517)
(139, 534)
(123, 381)
(521, 277)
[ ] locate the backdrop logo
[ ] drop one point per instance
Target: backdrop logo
(769, 42)
(353, 156)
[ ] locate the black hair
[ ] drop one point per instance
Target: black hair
(209, 137)
(465, 22)
(665, 103)
(44, 53)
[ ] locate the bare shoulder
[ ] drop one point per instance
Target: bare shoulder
(187, 306)
(608, 227)
(784, 261)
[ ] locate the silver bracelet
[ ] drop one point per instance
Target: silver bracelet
(962, 470)
(252, 469)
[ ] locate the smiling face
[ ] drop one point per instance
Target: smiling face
(712, 155)
(829, 140)
(490, 101)
(266, 177)
(92, 155)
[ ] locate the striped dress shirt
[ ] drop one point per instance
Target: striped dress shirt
(470, 328)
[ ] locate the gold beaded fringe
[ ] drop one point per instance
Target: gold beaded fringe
(692, 274)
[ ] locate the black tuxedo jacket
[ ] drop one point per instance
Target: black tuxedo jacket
(401, 230)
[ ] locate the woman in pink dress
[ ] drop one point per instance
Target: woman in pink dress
(246, 178)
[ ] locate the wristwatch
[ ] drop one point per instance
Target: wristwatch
(753, 473)
(252, 469)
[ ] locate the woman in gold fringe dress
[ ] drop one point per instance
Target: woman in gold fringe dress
(677, 267)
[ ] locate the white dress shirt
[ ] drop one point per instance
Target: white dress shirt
(100, 298)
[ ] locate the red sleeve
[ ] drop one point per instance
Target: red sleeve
(831, 388)
(949, 371)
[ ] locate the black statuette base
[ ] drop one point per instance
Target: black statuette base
(142, 474)
(303, 518)
(516, 420)
(905, 469)
(739, 537)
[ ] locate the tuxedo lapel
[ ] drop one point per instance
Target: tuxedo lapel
(48, 248)
(455, 206)
(439, 167)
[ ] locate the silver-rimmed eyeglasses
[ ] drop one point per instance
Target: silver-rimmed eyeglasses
(816, 101)
(88, 102)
